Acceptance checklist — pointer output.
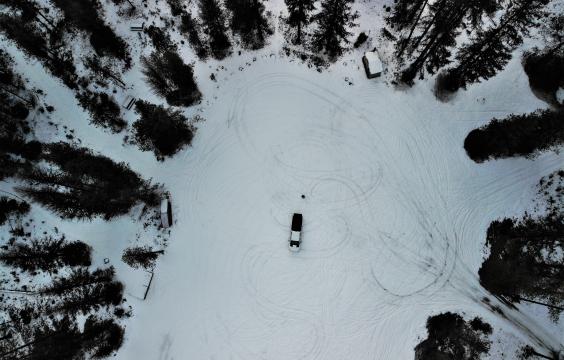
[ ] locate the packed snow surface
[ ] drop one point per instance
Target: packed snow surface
(395, 215)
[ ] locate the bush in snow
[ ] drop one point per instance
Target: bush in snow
(451, 337)
(516, 135)
(171, 78)
(163, 131)
(140, 256)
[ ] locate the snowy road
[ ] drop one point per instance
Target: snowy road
(394, 220)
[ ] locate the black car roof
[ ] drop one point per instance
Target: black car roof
(297, 222)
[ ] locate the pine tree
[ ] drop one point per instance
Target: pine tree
(406, 14)
(140, 256)
(439, 30)
(192, 29)
(79, 184)
(161, 130)
(103, 109)
(490, 50)
(171, 78)
(10, 208)
(249, 22)
(47, 254)
(299, 15)
(213, 20)
(332, 23)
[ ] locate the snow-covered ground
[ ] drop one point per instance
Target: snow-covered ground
(394, 218)
(395, 213)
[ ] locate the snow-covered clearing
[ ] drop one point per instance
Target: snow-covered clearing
(395, 213)
(394, 218)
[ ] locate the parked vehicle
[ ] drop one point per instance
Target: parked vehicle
(296, 233)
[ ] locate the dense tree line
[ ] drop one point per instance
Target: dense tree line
(450, 337)
(429, 30)
(161, 130)
(516, 135)
(490, 50)
(192, 29)
(524, 262)
(80, 184)
(46, 253)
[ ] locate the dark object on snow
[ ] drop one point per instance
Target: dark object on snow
(297, 222)
(361, 39)
(303, 196)
(166, 213)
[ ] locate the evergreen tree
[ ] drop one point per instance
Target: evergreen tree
(406, 14)
(171, 78)
(299, 15)
(249, 22)
(213, 20)
(160, 38)
(451, 337)
(87, 15)
(439, 30)
(141, 256)
(332, 23)
(161, 130)
(47, 254)
(11, 207)
(524, 260)
(103, 109)
(78, 184)
(191, 28)
(490, 50)
(516, 135)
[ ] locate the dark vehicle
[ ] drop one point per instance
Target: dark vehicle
(296, 233)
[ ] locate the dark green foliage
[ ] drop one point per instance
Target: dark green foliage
(524, 259)
(332, 23)
(176, 8)
(450, 337)
(299, 15)
(10, 207)
(490, 50)
(516, 135)
(361, 39)
(140, 257)
(192, 29)
(163, 131)
(47, 254)
(103, 109)
(546, 72)
(87, 15)
(171, 78)
(62, 340)
(80, 184)
(213, 19)
(28, 37)
(160, 38)
(405, 13)
(249, 22)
